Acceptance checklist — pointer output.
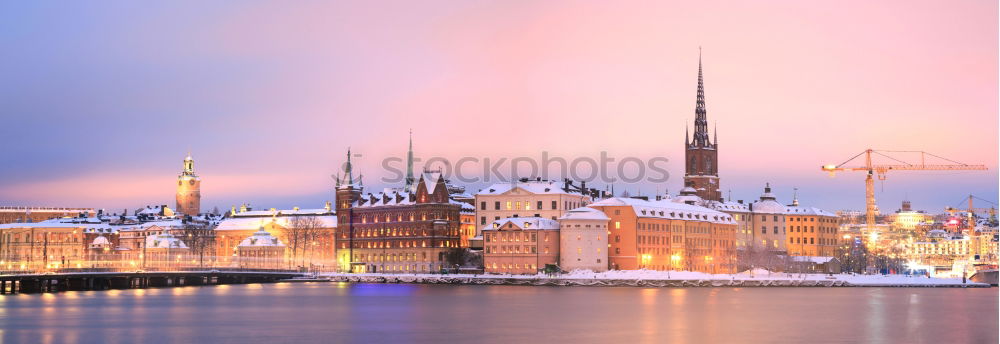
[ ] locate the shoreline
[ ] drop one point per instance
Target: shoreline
(684, 279)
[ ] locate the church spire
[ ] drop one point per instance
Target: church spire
(348, 179)
(687, 139)
(409, 163)
(700, 122)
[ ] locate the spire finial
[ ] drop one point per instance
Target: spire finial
(701, 138)
(410, 180)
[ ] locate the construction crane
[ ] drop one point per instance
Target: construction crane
(879, 170)
(970, 213)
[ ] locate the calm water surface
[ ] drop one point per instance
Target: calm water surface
(370, 313)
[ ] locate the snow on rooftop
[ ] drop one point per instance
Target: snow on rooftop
(667, 209)
(527, 223)
(261, 238)
(585, 213)
(532, 186)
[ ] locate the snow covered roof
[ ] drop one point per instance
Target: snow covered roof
(532, 186)
(667, 209)
(799, 210)
(100, 240)
(527, 223)
(164, 240)
(768, 206)
(585, 213)
(735, 207)
(240, 222)
(388, 197)
(261, 238)
(812, 259)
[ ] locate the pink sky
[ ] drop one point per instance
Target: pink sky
(269, 96)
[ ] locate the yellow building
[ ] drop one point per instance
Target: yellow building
(49, 244)
(526, 198)
(811, 231)
(308, 234)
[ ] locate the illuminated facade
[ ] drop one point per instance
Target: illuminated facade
(811, 231)
(308, 234)
(520, 245)
(526, 198)
(583, 240)
(665, 235)
(36, 214)
(397, 230)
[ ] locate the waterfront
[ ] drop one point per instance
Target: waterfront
(343, 312)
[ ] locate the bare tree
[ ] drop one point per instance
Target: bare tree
(301, 232)
(199, 238)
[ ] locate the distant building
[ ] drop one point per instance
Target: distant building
(188, 189)
(520, 245)
(36, 214)
(908, 219)
(583, 240)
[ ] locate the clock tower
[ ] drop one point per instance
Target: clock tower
(188, 190)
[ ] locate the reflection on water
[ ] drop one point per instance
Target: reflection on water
(342, 312)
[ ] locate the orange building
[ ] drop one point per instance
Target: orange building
(520, 245)
(811, 231)
(665, 235)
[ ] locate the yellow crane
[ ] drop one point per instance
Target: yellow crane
(879, 170)
(970, 213)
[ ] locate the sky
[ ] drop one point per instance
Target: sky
(100, 102)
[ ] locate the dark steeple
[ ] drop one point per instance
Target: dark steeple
(700, 121)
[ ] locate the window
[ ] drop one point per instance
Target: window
(539, 205)
(618, 225)
(482, 220)
(482, 205)
(496, 205)
(554, 205)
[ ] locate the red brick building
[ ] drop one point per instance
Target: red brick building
(409, 229)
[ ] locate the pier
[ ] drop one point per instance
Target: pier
(67, 281)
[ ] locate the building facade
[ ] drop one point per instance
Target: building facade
(308, 234)
(36, 214)
(397, 230)
(811, 231)
(520, 245)
(666, 235)
(583, 240)
(526, 198)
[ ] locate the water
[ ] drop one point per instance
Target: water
(367, 313)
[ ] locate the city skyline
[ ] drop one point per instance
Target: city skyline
(269, 110)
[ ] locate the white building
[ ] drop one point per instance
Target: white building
(583, 242)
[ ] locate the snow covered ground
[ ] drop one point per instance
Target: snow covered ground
(649, 278)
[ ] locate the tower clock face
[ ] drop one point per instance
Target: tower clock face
(191, 182)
